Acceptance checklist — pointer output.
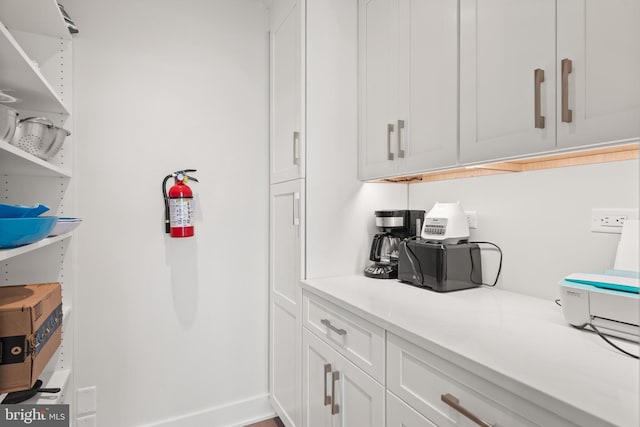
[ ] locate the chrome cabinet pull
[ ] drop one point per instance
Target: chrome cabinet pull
(567, 68)
(327, 323)
(296, 147)
(538, 77)
(335, 408)
(389, 130)
(452, 401)
(327, 370)
(400, 150)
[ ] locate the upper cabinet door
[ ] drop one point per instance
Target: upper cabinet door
(287, 130)
(507, 78)
(408, 86)
(378, 61)
(427, 121)
(598, 71)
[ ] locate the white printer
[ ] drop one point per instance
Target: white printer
(609, 300)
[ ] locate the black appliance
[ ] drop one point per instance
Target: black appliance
(394, 226)
(440, 267)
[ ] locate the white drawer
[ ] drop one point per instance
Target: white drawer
(359, 340)
(399, 414)
(423, 380)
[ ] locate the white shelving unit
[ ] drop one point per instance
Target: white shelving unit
(21, 78)
(36, 50)
(14, 161)
(6, 254)
(35, 16)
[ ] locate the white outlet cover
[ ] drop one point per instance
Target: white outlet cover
(86, 400)
(598, 213)
(87, 421)
(472, 218)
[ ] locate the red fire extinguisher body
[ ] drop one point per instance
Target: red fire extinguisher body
(181, 210)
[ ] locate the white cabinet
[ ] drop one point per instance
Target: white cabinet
(537, 76)
(360, 341)
(287, 90)
(342, 367)
(445, 359)
(450, 395)
(286, 270)
(36, 79)
(287, 167)
(602, 84)
(336, 393)
(399, 414)
(408, 86)
(504, 45)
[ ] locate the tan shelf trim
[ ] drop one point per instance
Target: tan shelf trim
(583, 157)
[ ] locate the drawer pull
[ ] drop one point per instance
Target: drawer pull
(335, 408)
(400, 127)
(327, 370)
(389, 131)
(296, 145)
(328, 324)
(452, 401)
(537, 88)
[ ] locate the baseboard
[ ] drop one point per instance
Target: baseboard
(235, 414)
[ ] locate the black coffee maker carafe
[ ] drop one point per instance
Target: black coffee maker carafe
(394, 226)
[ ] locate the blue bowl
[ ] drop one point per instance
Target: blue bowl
(16, 232)
(17, 211)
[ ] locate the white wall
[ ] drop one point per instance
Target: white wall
(340, 208)
(541, 219)
(172, 327)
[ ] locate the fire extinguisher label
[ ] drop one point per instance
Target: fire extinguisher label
(181, 212)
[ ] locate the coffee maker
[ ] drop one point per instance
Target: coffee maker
(394, 226)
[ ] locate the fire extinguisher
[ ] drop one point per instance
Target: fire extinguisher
(178, 204)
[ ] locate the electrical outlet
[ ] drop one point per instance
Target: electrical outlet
(86, 400)
(87, 421)
(472, 218)
(610, 220)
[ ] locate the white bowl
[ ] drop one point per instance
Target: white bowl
(65, 225)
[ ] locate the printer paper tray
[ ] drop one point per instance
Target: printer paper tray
(617, 329)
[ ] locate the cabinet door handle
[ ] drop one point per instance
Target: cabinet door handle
(327, 323)
(567, 68)
(400, 150)
(296, 148)
(389, 130)
(327, 370)
(296, 209)
(452, 401)
(538, 78)
(335, 408)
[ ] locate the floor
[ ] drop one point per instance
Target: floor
(275, 422)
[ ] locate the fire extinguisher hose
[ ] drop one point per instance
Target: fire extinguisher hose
(166, 203)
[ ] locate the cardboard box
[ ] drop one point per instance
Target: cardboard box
(30, 332)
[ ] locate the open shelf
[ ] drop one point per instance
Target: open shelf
(56, 379)
(22, 79)
(13, 252)
(14, 161)
(34, 16)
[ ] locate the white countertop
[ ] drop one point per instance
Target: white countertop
(516, 341)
